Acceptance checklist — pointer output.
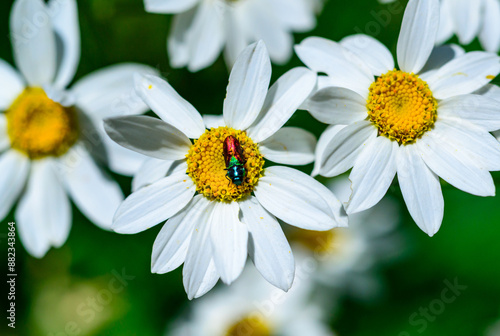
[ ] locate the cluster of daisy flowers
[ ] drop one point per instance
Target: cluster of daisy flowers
(330, 266)
(210, 179)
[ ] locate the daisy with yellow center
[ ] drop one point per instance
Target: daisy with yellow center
(422, 122)
(253, 307)
(47, 130)
(219, 200)
(207, 167)
(39, 127)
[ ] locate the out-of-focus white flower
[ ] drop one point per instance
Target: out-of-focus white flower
(347, 259)
(469, 19)
(212, 232)
(46, 129)
(201, 29)
(252, 306)
(418, 125)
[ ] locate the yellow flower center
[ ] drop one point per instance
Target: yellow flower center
(39, 127)
(207, 166)
(251, 325)
(401, 106)
(321, 242)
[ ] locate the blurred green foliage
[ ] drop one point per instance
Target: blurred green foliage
(116, 31)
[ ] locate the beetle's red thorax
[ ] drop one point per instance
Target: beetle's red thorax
(231, 148)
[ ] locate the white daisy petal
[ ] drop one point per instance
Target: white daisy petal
(453, 165)
(208, 281)
(421, 190)
(4, 137)
(229, 241)
(44, 213)
(489, 36)
(262, 24)
(341, 152)
(476, 143)
(178, 40)
(278, 41)
(15, 168)
(372, 174)
(213, 121)
(121, 160)
(205, 35)
(169, 105)
(236, 36)
(11, 85)
(298, 199)
(267, 245)
(371, 51)
(110, 92)
(34, 42)
(61, 96)
(491, 91)
(168, 6)
(464, 74)
(199, 256)
(283, 99)
(162, 141)
(66, 26)
(294, 14)
(446, 27)
(94, 193)
(290, 145)
(479, 110)
(335, 105)
(154, 203)
(322, 55)
(247, 88)
(151, 171)
(466, 17)
(323, 145)
(171, 245)
(418, 34)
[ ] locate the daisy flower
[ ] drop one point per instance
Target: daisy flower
(219, 201)
(253, 307)
(420, 125)
(201, 29)
(347, 260)
(46, 129)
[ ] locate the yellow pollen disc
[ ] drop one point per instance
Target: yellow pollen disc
(206, 165)
(39, 127)
(252, 325)
(321, 242)
(401, 106)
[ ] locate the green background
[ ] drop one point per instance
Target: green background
(50, 289)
